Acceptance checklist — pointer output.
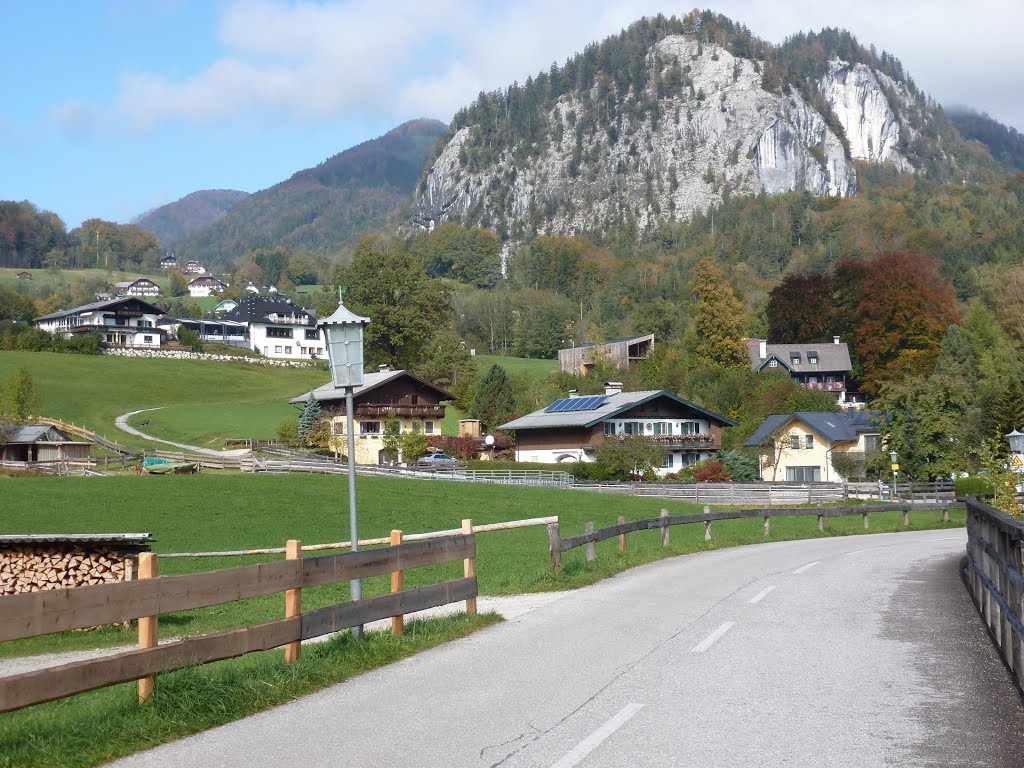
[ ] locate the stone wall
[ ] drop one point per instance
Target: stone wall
(184, 354)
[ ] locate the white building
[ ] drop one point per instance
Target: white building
(279, 328)
(205, 285)
(123, 322)
(142, 286)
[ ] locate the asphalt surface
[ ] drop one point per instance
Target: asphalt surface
(853, 651)
(121, 422)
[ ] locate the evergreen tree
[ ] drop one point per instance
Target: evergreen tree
(311, 416)
(718, 321)
(495, 398)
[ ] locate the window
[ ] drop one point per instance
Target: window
(633, 428)
(312, 334)
(812, 358)
(773, 363)
(609, 428)
(147, 339)
(302, 350)
(287, 350)
(277, 350)
(663, 428)
(690, 428)
(794, 359)
(803, 474)
(339, 427)
(808, 441)
(369, 427)
(688, 459)
(794, 442)
(870, 443)
(415, 400)
(279, 333)
(428, 427)
(668, 460)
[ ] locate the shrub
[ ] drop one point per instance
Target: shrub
(711, 471)
(288, 432)
(973, 486)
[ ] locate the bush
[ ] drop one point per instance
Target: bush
(973, 486)
(742, 467)
(711, 471)
(288, 432)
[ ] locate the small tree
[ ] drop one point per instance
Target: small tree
(392, 438)
(189, 338)
(711, 471)
(495, 398)
(311, 416)
(414, 446)
(622, 457)
(20, 400)
(288, 432)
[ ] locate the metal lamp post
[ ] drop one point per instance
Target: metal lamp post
(343, 332)
(894, 457)
(1016, 440)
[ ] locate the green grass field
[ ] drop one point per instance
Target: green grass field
(8, 276)
(537, 369)
(201, 401)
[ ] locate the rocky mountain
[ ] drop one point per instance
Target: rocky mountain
(189, 215)
(675, 115)
(325, 208)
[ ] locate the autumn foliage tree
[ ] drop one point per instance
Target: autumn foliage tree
(718, 320)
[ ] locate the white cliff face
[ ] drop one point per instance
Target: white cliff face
(872, 127)
(722, 135)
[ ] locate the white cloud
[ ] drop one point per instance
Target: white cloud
(75, 120)
(360, 58)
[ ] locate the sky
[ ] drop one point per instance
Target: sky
(109, 108)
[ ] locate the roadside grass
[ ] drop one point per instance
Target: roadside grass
(93, 728)
(204, 400)
(231, 511)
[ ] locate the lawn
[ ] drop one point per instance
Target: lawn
(8, 276)
(230, 511)
(537, 369)
(202, 401)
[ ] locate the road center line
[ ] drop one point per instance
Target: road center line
(761, 595)
(713, 638)
(807, 567)
(593, 741)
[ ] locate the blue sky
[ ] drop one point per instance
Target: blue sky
(109, 108)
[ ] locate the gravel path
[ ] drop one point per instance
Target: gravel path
(122, 423)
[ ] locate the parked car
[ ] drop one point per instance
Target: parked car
(438, 460)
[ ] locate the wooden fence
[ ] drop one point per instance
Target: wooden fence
(558, 545)
(994, 571)
(42, 613)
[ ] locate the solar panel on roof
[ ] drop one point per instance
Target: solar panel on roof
(568, 404)
(555, 406)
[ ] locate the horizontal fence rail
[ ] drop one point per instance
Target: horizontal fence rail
(995, 547)
(664, 522)
(41, 613)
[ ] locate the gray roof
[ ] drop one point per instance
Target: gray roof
(614, 405)
(38, 433)
(836, 427)
(255, 308)
(104, 304)
(371, 381)
(630, 339)
(831, 357)
(131, 539)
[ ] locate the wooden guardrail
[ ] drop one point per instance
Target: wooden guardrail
(558, 545)
(42, 613)
(995, 547)
(88, 434)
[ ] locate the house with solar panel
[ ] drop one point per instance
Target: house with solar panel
(571, 429)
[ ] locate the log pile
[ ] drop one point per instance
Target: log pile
(33, 569)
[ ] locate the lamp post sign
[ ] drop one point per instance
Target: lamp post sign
(343, 333)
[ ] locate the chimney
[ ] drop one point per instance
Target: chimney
(613, 387)
(573, 393)
(383, 368)
(762, 348)
(835, 339)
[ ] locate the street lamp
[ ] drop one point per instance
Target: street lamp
(1016, 440)
(894, 457)
(343, 332)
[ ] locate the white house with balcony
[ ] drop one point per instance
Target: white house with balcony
(279, 328)
(205, 285)
(142, 286)
(123, 322)
(825, 366)
(571, 429)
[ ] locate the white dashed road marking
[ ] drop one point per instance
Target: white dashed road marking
(761, 595)
(593, 741)
(807, 567)
(713, 638)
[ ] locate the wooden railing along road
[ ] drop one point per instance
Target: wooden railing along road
(42, 613)
(995, 553)
(558, 545)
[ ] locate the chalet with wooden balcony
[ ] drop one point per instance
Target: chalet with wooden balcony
(122, 322)
(414, 403)
(572, 429)
(141, 286)
(825, 366)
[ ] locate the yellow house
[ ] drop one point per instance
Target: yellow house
(384, 395)
(800, 447)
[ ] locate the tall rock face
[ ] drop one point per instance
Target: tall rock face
(627, 137)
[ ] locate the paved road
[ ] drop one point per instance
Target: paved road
(857, 651)
(121, 422)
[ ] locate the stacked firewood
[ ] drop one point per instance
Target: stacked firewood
(37, 568)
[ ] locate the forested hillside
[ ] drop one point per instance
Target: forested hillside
(192, 214)
(326, 208)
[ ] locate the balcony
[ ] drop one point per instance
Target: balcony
(828, 386)
(413, 411)
(682, 442)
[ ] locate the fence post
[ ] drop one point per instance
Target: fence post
(397, 577)
(591, 550)
(707, 524)
(469, 567)
(293, 601)
(821, 522)
(664, 527)
(865, 521)
(555, 546)
(147, 625)
(767, 526)
(906, 517)
(622, 536)
(945, 515)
